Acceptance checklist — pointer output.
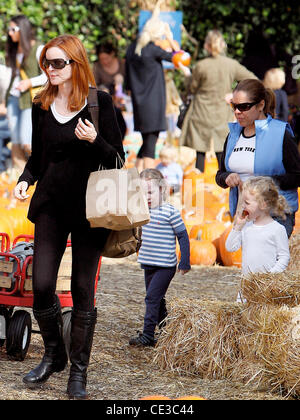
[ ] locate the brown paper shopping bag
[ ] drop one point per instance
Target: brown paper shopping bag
(115, 199)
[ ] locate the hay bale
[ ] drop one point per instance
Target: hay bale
(272, 288)
(200, 338)
(257, 345)
(270, 348)
(294, 245)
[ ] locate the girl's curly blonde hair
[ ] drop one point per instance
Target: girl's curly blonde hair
(266, 192)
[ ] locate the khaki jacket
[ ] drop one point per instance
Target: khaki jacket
(209, 114)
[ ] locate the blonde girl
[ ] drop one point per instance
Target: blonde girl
(264, 241)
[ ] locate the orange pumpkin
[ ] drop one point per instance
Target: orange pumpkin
(18, 219)
(229, 258)
(211, 166)
(182, 57)
(195, 232)
(297, 217)
(155, 397)
(202, 252)
(192, 188)
(6, 227)
(211, 205)
(208, 231)
(191, 219)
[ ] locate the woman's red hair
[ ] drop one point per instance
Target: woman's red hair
(82, 75)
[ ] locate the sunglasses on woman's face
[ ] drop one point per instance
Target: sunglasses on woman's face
(13, 29)
(243, 107)
(56, 63)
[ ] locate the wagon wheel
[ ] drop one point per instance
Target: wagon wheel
(4, 312)
(67, 330)
(18, 335)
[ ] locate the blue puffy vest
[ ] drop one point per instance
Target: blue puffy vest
(267, 157)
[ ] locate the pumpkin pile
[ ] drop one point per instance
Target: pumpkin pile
(206, 216)
(14, 220)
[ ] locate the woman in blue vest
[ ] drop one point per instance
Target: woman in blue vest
(258, 144)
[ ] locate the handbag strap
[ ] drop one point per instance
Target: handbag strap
(93, 106)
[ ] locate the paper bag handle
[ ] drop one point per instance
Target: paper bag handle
(118, 160)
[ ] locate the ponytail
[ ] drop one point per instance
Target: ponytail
(270, 102)
(281, 207)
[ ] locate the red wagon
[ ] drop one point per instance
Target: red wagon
(16, 291)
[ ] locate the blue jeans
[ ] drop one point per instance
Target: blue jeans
(4, 134)
(19, 122)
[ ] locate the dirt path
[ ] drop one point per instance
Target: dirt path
(117, 371)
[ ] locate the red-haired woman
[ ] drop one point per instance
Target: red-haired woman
(65, 149)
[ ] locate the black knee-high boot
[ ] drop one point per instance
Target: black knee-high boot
(82, 332)
(55, 358)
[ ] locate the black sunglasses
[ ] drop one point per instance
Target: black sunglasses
(244, 106)
(13, 29)
(56, 63)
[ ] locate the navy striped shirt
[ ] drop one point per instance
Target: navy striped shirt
(159, 237)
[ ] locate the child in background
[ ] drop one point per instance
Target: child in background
(275, 79)
(264, 242)
(157, 254)
(171, 170)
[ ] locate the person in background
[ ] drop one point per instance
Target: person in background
(4, 129)
(258, 144)
(264, 242)
(157, 254)
(171, 170)
(205, 124)
(66, 148)
(275, 79)
(22, 56)
(108, 66)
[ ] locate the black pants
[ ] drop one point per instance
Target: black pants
(200, 160)
(148, 147)
(157, 280)
(50, 238)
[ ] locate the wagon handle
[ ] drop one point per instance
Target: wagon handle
(27, 238)
(5, 243)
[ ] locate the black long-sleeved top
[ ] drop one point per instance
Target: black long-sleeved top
(290, 160)
(61, 163)
(145, 79)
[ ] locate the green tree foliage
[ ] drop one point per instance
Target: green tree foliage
(95, 21)
(278, 19)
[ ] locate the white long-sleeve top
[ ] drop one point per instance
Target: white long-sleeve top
(264, 248)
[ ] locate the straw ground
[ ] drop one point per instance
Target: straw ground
(119, 372)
